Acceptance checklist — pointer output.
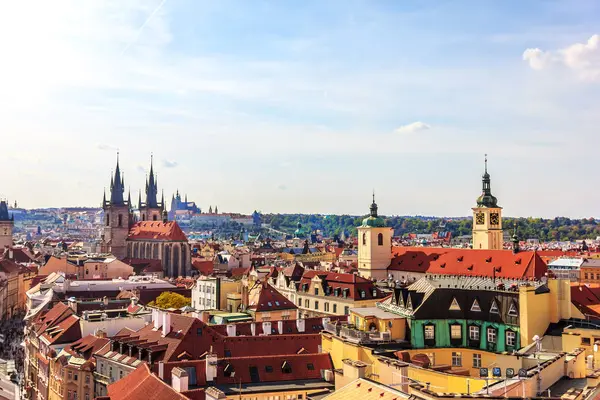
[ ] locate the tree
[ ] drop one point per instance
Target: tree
(170, 300)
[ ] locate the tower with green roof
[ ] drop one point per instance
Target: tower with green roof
(487, 218)
(374, 245)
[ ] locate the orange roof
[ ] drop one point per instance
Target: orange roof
(468, 262)
(142, 384)
(271, 300)
(157, 230)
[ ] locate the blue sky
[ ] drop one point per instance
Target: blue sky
(305, 106)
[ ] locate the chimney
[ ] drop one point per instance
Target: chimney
(253, 328)
(166, 327)
(179, 379)
(161, 370)
(266, 325)
(156, 318)
(280, 327)
(301, 325)
(211, 367)
(99, 333)
(231, 329)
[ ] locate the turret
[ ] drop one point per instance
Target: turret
(116, 187)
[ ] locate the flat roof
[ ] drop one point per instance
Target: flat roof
(374, 312)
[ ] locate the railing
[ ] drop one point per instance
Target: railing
(102, 378)
(350, 333)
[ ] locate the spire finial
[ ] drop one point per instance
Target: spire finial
(373, 195)
(486, 163)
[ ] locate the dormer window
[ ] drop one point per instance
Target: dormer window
(286, 368)
(363, 294)
(475, 306)
(346, 290)
(512, 310)
(454, 305)
(494, 308)
(374, 292)
(409, 303)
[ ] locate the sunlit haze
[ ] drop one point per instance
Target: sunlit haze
(304, 106)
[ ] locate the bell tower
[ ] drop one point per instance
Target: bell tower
(6, 227)
(374, 245)
(116, 217)
(487, 218)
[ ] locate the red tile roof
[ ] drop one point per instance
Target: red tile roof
(270, 299)
(353, 286)
(55, 315)
(205, 267)
(66, 331)
(9, 267)
(468, 262)
(86, 346)
(142, 384)
(586, 299)
(269, 368)
(157, 230)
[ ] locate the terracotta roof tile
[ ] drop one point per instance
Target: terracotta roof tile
(142, 384)
(270, 299)
(157, 230)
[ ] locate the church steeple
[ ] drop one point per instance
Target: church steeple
(515, 239)
(116, 187)
(151, 188)
(373, 207)
(486, 199)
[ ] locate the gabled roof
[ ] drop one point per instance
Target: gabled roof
(9, 267)
(52, 317)
(142, 384)
(86, 346)
(157, 230)
(586, 299)
(337, 284)
(468, 262)
(270, 299)
(66, 331)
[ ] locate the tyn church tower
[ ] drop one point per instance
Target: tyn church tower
(117, 216)
(151, 210)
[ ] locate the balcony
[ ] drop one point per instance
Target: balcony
(102, 378)
(351, 334)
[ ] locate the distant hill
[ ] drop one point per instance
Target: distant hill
(559, 228)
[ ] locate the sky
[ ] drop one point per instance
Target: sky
(304, 106)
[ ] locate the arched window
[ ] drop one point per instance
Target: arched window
(155, 251)
(107, 219)
(167, 259)
(364, 239)
(184, 271)
(154, 217)
(120, 219)
(380, 239)
(176, 256)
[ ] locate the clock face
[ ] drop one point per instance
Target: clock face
(495, 219)
(480, 218)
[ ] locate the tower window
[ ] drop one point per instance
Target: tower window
(380, 239)
(364, 239)
(120, 220)
(107, 219)
(154, 218)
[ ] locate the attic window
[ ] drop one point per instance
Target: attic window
(488, 260)
(276, 303)
(409, 303)
(454, 305)
(475, 306)
(310, 366)
(336, 291)
(518, 261)
(512, 311)
(435, 257)
(270, 304)
(470, 267)
(269, 368)
(363, 294)
(459, 259)
(286, 368)
(443, 265)
(494, 308)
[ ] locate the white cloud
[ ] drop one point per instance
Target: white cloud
(413, 127)
(169, 164)
(581, 58)
(104, 146)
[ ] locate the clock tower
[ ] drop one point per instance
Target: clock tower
(6, 227)
(487, 218)
(374, 246)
